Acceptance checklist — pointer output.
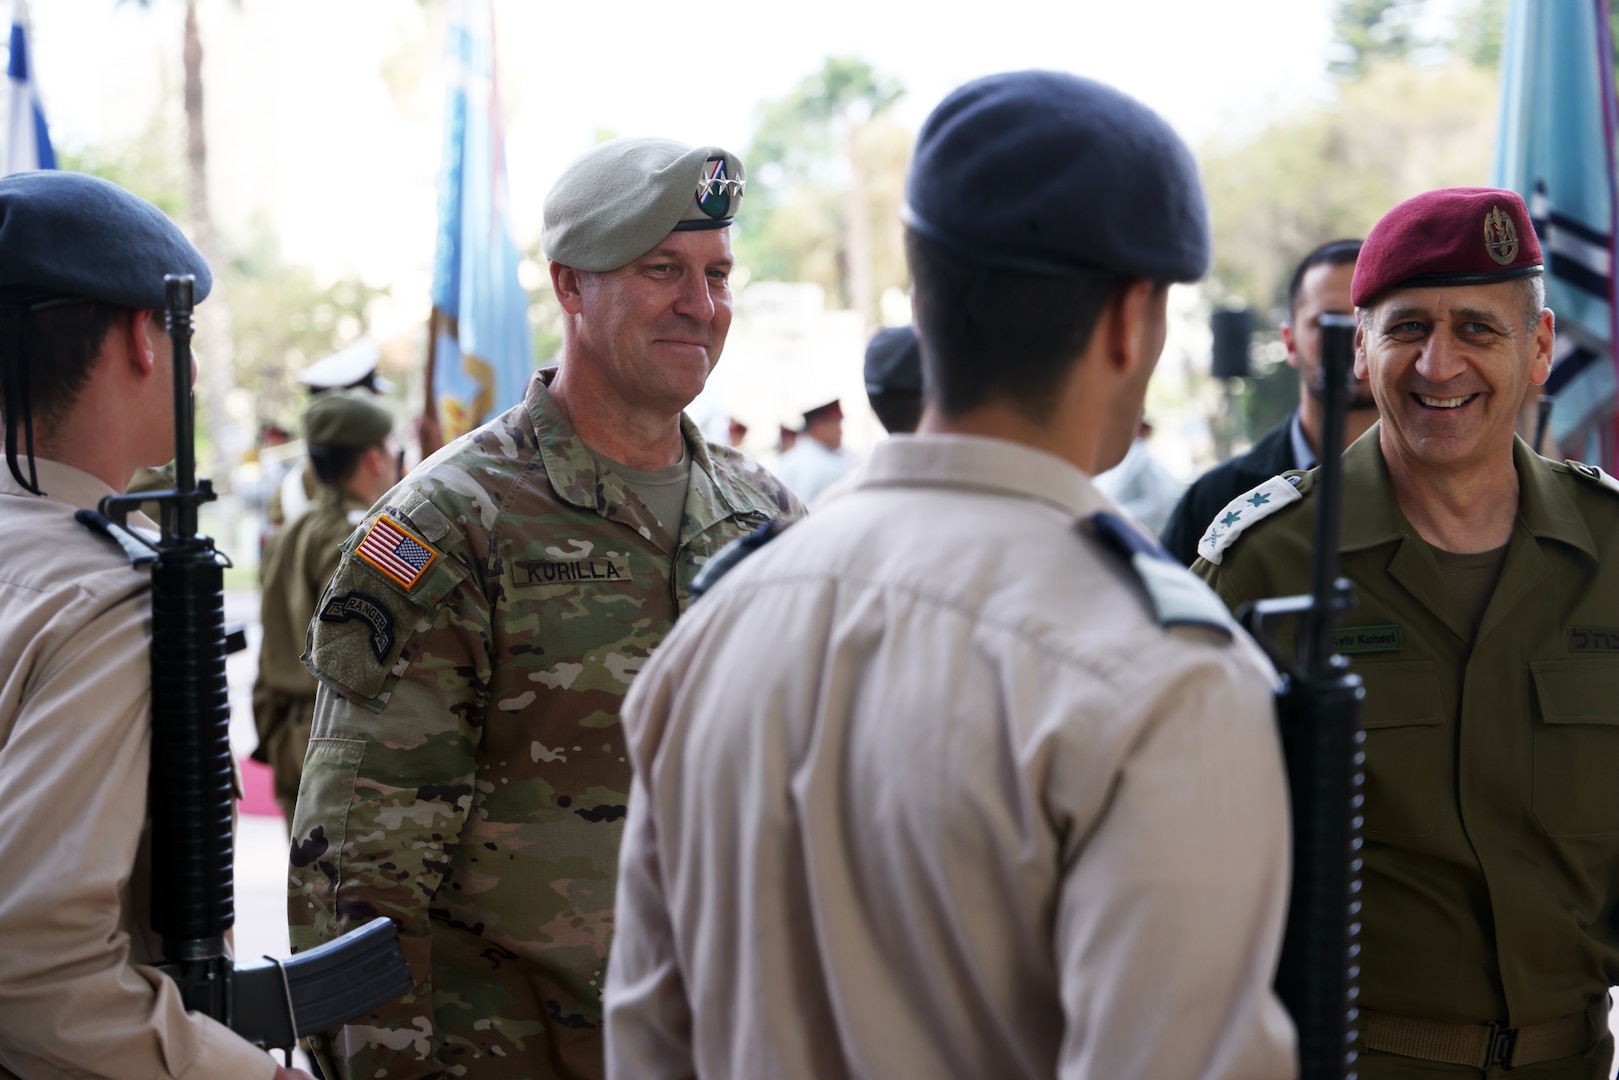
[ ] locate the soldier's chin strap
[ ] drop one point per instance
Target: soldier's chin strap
(15, 380)
(19, 402)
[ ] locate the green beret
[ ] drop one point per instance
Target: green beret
(618, 199)
(340, 418)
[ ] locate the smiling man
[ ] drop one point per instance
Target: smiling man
(466, 775)
(1487, 633)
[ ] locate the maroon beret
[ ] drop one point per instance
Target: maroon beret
(1453, 236)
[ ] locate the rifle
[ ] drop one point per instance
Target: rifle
(274, 1002)
(1318, 705)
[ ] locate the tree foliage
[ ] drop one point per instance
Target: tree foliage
(1370, 32)
(826, 169)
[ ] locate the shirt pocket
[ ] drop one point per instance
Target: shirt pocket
(1576, 742)
(1408, 748)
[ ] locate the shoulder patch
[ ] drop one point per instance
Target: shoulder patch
(730, 556)
(1178, 597)
(1593, 474)
(1244, 510)
(402, 556)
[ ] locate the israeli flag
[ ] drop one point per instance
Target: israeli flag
(28, 142)
(1556, 149)
(483, 353)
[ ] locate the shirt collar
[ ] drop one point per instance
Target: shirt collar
(992, 465)
(1372, 514)
(1303, 456)
(60, 483)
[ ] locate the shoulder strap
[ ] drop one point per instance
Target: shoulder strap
(730, 556)
(1178, 598)
(1247, 508)
(137, 543)
(1593, 474)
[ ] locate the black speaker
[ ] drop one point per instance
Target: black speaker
(1233, 327)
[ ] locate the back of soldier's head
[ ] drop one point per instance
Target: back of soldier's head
(1032, 197)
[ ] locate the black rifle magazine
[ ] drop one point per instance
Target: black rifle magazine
(278, 1002)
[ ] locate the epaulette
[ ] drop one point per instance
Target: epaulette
(1178, 598)
(1244, 510)
(730, 556)
(138, 544)
(1593, 474)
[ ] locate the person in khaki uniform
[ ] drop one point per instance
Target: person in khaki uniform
(963, 776)
(466, 774)
(350, 438)
(1487, 634)
(89, 398)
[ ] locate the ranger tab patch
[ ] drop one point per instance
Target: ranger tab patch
(399, 554)
(1242, 512)
(357, 605)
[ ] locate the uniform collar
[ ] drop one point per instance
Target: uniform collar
(1372, 514)
(576, 479)
(972, 461)
(60, 483)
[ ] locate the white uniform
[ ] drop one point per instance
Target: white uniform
(809, 468)
(76, 996)
(924, 789)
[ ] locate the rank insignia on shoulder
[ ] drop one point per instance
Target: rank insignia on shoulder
(1178, 597)
(1243, 511)
(402, 556)
(1593, 474)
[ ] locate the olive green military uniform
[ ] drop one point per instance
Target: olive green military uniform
(467, 775)
(1491, 881)
(298, 563)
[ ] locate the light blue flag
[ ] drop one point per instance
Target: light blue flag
(28, 142)
(483, 352)
(1556, 149)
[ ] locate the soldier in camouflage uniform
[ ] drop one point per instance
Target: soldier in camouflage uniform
(466, 775)
(352, 452)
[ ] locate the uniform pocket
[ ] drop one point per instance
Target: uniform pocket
(1408, 749)
(325, 796)
(1576, 738)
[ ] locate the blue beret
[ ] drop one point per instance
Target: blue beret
(69, 234)
(1049, 173)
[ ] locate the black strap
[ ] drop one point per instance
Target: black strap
(19, 400)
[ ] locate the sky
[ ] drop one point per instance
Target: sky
(324, 115)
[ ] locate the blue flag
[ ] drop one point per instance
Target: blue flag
(1556, 149)
(483, 352)
(28, 143)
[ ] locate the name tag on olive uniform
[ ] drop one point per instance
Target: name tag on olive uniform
(1593, 639)
(1365, 639)
(604, 568)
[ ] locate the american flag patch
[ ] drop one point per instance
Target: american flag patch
(398, 554)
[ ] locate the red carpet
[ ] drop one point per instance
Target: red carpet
(258, 789)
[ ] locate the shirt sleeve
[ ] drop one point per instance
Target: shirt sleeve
(386, 788)
(1170, 919)
(73, 999)
(648, 1012)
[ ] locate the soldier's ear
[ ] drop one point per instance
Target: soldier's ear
(567, 283)
(136, 335)
(1133, 323)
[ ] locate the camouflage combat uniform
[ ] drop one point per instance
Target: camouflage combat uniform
(467, 776)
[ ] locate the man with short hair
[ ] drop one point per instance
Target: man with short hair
(1319, 286)
(349, 434)
(1487, 596)
(999, 794)
(466, 774)
(88, 391)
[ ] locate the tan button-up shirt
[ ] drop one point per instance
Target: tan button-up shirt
(76, 995)
(924, 790)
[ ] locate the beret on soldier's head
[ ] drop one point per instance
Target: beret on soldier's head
(347, 418)
(1453, 236)
(618, 199)
(1049, 173)
(894, 362)
(69, 234)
